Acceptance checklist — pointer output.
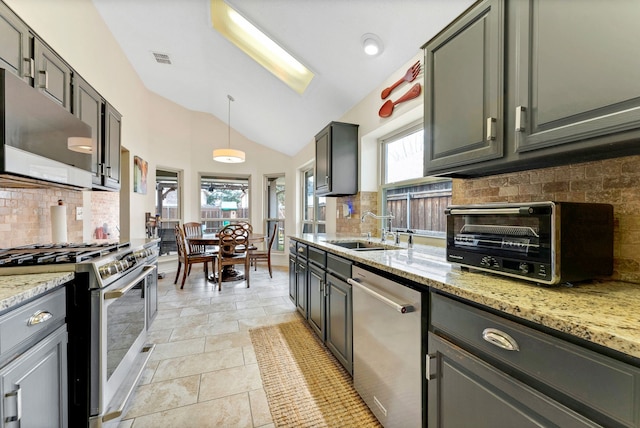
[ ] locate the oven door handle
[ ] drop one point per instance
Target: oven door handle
(119, 292)
(403, 308)
(463, 211)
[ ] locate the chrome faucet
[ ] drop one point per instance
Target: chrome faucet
(389, 217)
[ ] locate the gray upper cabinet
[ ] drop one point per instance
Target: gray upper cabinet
(463, 111)
(112, 134)
(52, 75)
(15, 42)
(576, 72)
(87, 106)
(337, 160)
(530, 83)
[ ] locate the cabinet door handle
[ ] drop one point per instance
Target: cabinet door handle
(430, 367)
(30, 66)
(491, 128)
(500, 339)
(108, 174)
(39, 317)
(326, 179)
(520, 118)
(46, 79)
(18, 394)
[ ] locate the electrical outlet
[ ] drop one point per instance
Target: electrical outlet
(78, 213)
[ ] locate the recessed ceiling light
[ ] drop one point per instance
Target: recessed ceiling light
(372, 44)
(259, 46)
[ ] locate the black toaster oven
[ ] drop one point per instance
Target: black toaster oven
(546, 242)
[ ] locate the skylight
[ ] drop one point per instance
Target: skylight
(259, 46)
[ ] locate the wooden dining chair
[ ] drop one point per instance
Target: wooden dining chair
(233, 243)
(194, 230)
(188, 258)
(264, 255)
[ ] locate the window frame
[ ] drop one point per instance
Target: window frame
(221, 176)
(384, 187)
(316, 225)
(268, 220)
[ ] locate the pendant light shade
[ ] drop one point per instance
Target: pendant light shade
(228, 155)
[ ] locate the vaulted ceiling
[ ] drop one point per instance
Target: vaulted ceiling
(325, 35)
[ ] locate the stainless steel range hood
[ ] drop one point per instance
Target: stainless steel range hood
(34, 132)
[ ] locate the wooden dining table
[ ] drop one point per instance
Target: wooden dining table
(228, 272)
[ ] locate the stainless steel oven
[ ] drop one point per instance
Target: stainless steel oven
(546, 242)
(110, 305)
(108, 332)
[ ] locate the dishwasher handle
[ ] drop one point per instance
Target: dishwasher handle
(403, 308)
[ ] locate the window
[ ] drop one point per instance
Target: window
(168, 207)
(417, 203)
(274, 209)
(223, 200)
(314, 208)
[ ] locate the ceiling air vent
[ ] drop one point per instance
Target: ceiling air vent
(161, 58)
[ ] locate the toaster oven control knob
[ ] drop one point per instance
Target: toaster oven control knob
(523, 267)
(488, 261)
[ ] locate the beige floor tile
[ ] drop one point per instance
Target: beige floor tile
(249, 355)
(173, 368)
(260, 408)
(180, 348)
(225, 341)
(222, 383)
(205, 329)
(221, 373)
(159, 396)
(236, 315)
(228, 412)
(162, 324)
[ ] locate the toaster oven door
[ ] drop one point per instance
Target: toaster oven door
(515, 240)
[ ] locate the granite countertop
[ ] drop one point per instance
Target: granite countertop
(606, 313)
(16, 289)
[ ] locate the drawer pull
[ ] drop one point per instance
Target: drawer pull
(500, 339)
(39, 317)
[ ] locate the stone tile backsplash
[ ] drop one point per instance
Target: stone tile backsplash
(613, 181)
(25, 214)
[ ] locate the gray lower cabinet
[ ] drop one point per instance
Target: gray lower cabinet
(464, 391)
(508, 375)
(301, 286)
(33, 363)
(339, 320)
(316, 291)
(292, 279)
(34, 386)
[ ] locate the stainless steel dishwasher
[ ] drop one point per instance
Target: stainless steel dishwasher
(386, 348)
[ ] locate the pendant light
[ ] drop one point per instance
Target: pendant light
(80, 144)
(228, 155)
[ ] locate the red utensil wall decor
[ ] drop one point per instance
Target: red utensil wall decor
(409, 76)
(387, 108)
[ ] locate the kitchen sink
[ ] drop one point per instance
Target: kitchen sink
(364, 245)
